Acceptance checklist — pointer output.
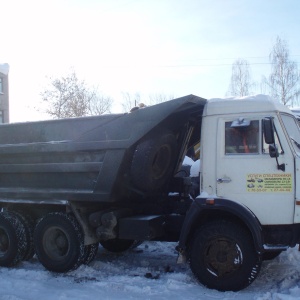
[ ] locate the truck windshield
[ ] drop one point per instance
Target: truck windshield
(292, 127)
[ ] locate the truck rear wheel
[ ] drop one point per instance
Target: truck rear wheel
(90, 252)
(59, 242)
(153, 160)
(223, 257)
(13, 242)
(28, 224)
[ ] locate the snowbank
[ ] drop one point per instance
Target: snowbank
(147, 272)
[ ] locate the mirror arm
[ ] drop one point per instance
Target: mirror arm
(280, 167)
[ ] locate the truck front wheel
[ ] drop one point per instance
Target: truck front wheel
(59, 242)
(223, 257)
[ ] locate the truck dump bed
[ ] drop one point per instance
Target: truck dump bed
(84, 159)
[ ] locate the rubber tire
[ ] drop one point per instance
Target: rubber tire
(13, 243)
(117, 245)
(59, 242)
(270, 255)
(218, 243)
(153, 161)
(90, 252)
(28, 224)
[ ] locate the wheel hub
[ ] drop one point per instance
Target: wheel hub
(61, 242)
(223, 257)
(56, 243)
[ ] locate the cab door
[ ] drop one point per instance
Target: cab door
(293, 132)
(247, 174)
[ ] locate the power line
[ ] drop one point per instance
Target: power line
(181, 65)
(208, 65)
(231, 58)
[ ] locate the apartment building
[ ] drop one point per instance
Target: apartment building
(4, 93)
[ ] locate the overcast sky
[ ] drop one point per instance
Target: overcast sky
(139, 46)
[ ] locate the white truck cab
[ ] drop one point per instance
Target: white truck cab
(248, 209)
(236, 165)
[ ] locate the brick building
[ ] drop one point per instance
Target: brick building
(4, 93)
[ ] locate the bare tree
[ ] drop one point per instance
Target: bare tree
(130, 101)
(134, 101)
(240, 84)
(66, 97)
(69, 97)
(283, 82)
(159, 98)
(100, 104)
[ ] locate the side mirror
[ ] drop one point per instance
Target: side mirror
(268, 129)
(269, 134)
(273, 151)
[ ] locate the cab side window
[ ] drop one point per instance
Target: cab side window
(242, 139)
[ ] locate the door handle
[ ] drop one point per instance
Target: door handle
(223, 180)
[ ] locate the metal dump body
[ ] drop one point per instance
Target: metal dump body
(81, 159)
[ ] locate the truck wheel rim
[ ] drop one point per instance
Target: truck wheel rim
(56, 243)
(222, 257)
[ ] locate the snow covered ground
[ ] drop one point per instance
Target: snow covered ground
(146, 272)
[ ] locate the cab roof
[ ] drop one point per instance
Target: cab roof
(249, 104)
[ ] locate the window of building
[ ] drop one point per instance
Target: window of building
(1, 117)
(1, 85)
(242, 139)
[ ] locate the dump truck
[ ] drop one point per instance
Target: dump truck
(120, 179)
